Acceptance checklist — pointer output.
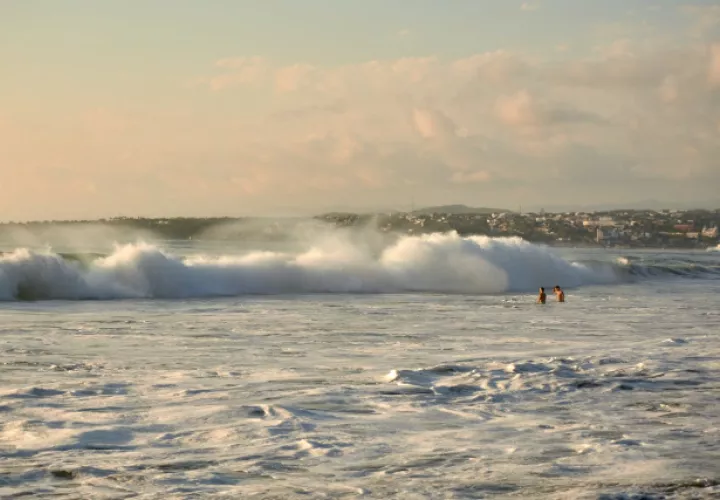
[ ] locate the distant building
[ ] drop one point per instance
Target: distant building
(601, 222)
(603, 234)
(710, 232)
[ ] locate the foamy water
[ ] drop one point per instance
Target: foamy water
(287, 389)
(444, 263)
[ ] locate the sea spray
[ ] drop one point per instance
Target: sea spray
(442, 263)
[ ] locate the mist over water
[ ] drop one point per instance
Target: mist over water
(310, 258)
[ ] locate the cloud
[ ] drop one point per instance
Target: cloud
(241, 71)
(469, 120)
(523, 110)
(668, 90)
(714, 65)
(291, 78)
(431, 124)
(706, 18)
(494, 128)
(529, 6)
(477, 176)
(517, 109)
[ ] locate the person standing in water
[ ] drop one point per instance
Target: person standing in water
(541, 297)
(559, 293)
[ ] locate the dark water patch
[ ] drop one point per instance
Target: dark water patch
(64, 474)
(484, 490)
(680, 414)
(235, 477)
(324, 407)
(586, 384)
(691, 488)
(449, 369)
(184, 466)
(116, 389)
(279, 466)
(686, 383)
(457, 390)
(209, 335)
(365, 469)
(290, 427)
(76, 473)
(631, 496)
(24, 363)
(690, 485)
(431, 462)
(627, 442)
(624, 387)
(103, 409)
(37, 493)
(604, 434)
(196, 392)
(21, 478)
(37, 393)
(610, 361)
(255, 411)
(407, 391)
(111, 389)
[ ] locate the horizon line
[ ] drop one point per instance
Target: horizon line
(345, 212)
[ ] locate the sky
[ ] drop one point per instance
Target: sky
(281, 107)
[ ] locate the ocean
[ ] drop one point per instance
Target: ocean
(353, 366)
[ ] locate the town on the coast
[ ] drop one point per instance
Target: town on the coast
(614, 228)
(688, 229)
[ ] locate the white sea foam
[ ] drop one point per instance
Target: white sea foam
(445, 263)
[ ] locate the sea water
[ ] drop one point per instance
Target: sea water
(419, 368)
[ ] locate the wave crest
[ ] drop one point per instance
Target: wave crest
(442, 263)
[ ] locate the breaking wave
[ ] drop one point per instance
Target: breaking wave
(667, 268)
(441, 263)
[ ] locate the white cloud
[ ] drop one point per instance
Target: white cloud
(668, 90)
(706, 18)
(432, 124)
(499, 118)
(477, 176)
(491, 128)
(527, 6)
(714, 65)
(522, 110)
(240, 71)
(292, 78)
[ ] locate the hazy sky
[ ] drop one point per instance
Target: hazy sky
(232, 107)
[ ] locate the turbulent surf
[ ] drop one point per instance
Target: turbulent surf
(353, 365)
(435, 263)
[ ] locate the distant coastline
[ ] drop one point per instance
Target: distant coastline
(684, 229)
